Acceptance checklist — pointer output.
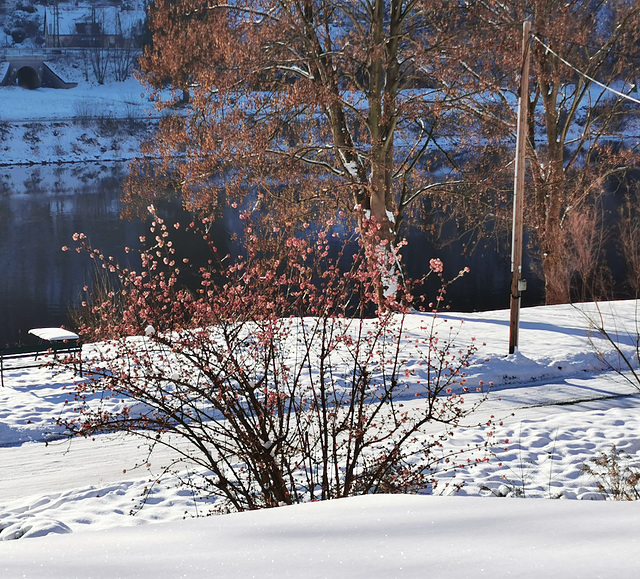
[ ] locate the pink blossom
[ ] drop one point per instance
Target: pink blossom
(436, 265)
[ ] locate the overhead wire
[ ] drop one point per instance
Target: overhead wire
(584, 74)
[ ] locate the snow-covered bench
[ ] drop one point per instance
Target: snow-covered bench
(52, 342)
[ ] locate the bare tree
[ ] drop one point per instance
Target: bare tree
(99, 53)
(575, 133)
(125, 52)
(308, 107)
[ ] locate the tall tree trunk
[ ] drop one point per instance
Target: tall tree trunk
(384, 78)
(551, 185)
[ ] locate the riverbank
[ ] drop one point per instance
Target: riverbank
(68, 142)
(87, 123)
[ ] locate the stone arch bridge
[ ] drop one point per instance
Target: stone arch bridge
(31, 72)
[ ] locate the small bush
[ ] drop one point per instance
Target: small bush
(84, 111)
(33, 132)
(18, 35)
(616, 478)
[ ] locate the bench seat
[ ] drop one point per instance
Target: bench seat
(53, 342)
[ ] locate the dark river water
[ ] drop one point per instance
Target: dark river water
(42, 206)
(40, 209)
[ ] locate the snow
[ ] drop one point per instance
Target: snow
(21, 104)
(373, 536)
(85, 123)
(73, 508)
(70, 502)
(54, 334)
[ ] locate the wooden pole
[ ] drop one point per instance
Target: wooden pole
(517, 283)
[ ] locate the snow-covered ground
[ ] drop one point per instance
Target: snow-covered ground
(70, 503)
(46, 104)
(88, 122)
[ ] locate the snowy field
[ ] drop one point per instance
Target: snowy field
(70, 502)
(72, 508)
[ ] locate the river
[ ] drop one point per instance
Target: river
(40, 209)
(41, 206)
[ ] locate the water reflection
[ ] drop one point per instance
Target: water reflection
(40, 209)
(42, 206)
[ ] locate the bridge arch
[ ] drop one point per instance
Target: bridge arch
(30, 72)
(27, 77)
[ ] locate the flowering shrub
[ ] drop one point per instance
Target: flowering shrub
(269, 377)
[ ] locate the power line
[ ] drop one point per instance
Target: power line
(584, 74)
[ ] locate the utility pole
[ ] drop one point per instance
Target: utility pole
(518, 285)
(56, 25)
